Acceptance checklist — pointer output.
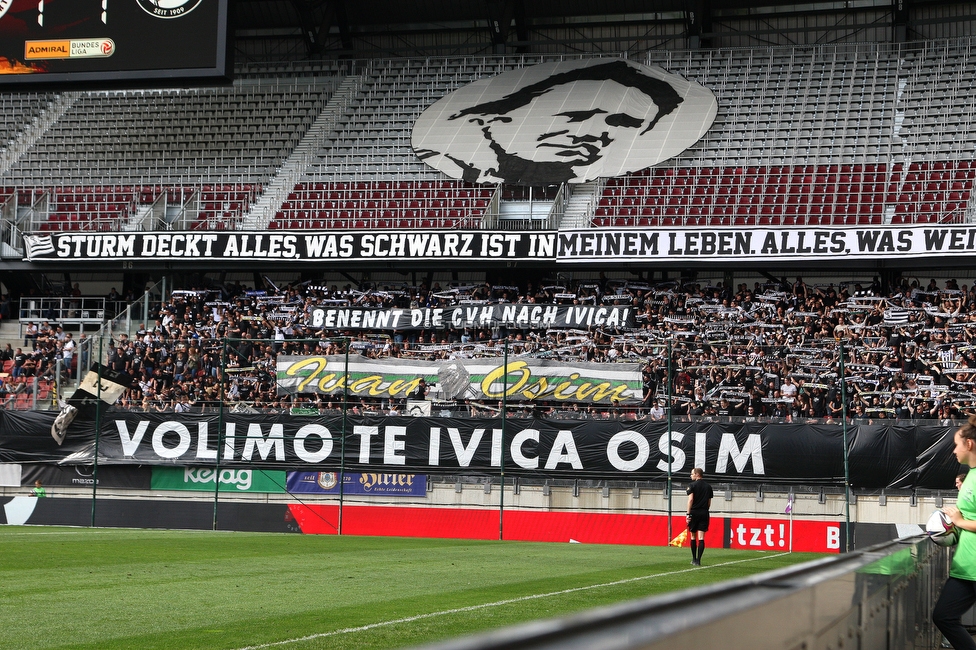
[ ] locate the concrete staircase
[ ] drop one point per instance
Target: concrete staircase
(322, 130)
(579, 207)
(33, 131)
(10, 333)
(137, 218)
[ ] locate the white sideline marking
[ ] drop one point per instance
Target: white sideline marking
(86, 530)
(497, 603)
(80, 530)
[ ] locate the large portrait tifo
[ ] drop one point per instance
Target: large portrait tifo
(571, 121)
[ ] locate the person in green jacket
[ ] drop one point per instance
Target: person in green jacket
(959, 592)
(38, 490)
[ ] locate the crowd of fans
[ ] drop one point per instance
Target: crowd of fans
(767, 352)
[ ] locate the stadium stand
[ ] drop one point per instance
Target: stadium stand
(769, 352)
(89, 208)
(17, 110)
(384, 204)
(174, 137)
(857, 135)
(221, 206)
(833, 134)
(850, 194)
(217, 145)
(853, 118)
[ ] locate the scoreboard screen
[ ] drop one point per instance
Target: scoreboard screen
(112, 42)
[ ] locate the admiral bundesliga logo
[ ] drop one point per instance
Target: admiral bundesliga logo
(97, 48)
(168, 8)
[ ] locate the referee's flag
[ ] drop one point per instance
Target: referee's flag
(680, 539)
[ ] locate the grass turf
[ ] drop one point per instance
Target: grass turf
(109, 588)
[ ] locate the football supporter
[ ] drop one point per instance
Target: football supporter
(767, 352)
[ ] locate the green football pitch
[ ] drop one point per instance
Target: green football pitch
(109, 588)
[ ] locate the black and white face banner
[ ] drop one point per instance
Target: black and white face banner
(571, 121)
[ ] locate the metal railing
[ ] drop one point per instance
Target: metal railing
(74, 310)
(10, 235)
(881, 597)
(558, 207)
(143, 310)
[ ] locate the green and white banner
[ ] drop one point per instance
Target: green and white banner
(231, 480)
(528, 379)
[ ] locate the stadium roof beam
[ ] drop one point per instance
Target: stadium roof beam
(300, 29)
(500, 16)
(699, 17)
(847, 29)
(333, 15)
(309, 33)
(315, 32)
(901, 11)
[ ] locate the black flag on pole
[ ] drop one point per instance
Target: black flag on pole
(100, 383)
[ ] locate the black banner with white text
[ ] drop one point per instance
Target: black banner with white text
(771, 243)
(284, 246)
(880, 455)
(520, 315)
(645, 245)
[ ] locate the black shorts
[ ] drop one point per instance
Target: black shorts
(698, 521)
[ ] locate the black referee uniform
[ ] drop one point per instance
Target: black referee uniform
(699, 499)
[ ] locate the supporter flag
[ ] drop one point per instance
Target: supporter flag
(680, 539)
(101, 383)
(896, 317)
(271, 284)
(38, 244)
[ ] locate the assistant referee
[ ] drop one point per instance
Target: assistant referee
(699, 501)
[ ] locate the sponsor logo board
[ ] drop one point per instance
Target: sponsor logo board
(69, 49)
(405, 485)
(231, 479)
